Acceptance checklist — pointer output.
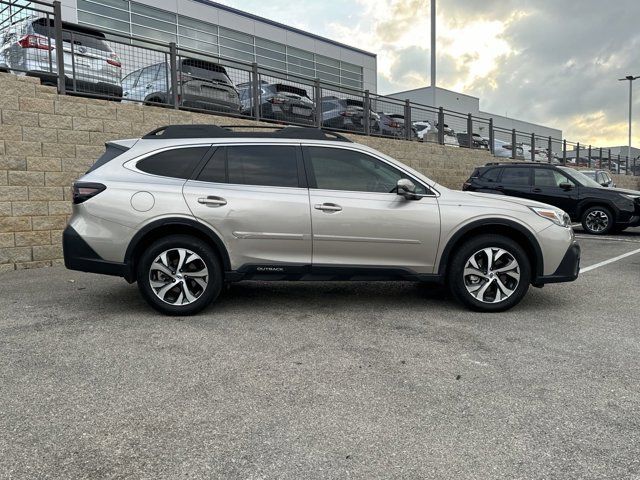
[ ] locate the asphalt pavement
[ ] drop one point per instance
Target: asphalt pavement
(323, 380)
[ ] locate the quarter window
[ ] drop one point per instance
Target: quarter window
(338, 169)
(176, 163)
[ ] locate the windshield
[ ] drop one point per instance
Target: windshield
(580, 177)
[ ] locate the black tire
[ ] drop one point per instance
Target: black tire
(597, 220)
(457, 280)
(182, 280)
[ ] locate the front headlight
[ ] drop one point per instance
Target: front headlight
(558, 217)
(633, 198)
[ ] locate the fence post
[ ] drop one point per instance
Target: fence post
(550, 149)
(441, 126)
(318, 95)
(255, 91)
(577, 154)
(626, 165)
(57, 23)
(513, 143)
(173, 72)
(589, 156)
(609, 161)
(634, 166)
(469, 131)
(533, 147)
(618, 167)
(492, 138)
(407, 120)
(564, 152)
(367, 113)
(600, 159)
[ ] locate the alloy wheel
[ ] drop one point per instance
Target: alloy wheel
(491, 275)
(178, 276)
(597, 221)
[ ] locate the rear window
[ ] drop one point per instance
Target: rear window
(176, 163)
(205, 70)
(81, 38)
(110, 153)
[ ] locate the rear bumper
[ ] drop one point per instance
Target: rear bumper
(78, 255)
(568, 269)
(207, 103)
(85, 87)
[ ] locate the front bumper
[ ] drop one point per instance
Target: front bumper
(568, 269)
(78, 255)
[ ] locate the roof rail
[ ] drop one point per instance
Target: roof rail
(529, 163)
(230, 131)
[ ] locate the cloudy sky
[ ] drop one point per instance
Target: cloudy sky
(554, 62)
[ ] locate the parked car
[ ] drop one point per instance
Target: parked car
(538, 155)
(601, 177)
(423, 128)
(201, 85)
(347, 114)
(188, 208)
(392, 124)
(28, 47)
(279, 101)
(476, 141)
(504, 149)
(600, 210)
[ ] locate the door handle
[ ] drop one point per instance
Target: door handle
(499, 187)
(327, 207)
(212, 201)
(536, 190)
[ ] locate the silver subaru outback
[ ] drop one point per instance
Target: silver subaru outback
(187, 208)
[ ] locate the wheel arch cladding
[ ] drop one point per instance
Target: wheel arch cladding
(507, 228)
(173, 226)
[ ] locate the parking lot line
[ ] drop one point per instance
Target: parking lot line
(610, 239)
(607, 262)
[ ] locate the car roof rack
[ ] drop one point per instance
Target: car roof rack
(537, 164)
(230, 131)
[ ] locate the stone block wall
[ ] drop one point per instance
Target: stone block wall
(48, 140)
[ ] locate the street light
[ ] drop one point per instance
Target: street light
(630, 79)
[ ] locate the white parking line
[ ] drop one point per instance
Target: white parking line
(609, 239)
(607, 262)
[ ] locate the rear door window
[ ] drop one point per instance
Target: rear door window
(175, 163)
(491, 175)
(516, 176)
(265, 165)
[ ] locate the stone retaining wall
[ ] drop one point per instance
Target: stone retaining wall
(48, 140)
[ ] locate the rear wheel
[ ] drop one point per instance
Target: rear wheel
(597, 220)
(489, 273)
(179, 275)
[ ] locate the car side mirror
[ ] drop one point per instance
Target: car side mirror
(605, 184)
(566, 186)
(406, 188)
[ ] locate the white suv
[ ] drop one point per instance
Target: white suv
(187, 208)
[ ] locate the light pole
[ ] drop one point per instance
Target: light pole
(630, 79)
(433, 53)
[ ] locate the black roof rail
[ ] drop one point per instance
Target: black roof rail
(537, 164)
(230, 131)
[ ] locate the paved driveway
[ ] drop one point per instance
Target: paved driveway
(313, 380)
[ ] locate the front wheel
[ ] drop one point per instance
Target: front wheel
(179, 275)
(489, 273)
(597, 220)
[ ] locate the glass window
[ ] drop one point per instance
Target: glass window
(103, 22)
(339, 169)
(152, 33)
(103, 8)
(268, 44)
(176, 163)
(153, 23)
(491, 175)
(148, 74)
(153, 12)
(515, 176)
(271, 165)
(350, 67)
(130, 80)
(216, 168)
(545, 177)
(232, 34)
(232, 53)
(197, 25)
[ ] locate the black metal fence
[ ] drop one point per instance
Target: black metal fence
(130, 69)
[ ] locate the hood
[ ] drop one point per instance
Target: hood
(497, 201)
(622, 190)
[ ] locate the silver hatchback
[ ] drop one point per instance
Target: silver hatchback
(187, 208)
(90, 65)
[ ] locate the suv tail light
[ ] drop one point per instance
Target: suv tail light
(277, 100)
(83, 191)
(35, 41)
(393, 124)
(114, 60)
(466, 185)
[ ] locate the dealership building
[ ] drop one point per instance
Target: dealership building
(213, 28)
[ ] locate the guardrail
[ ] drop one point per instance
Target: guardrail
(132, 69)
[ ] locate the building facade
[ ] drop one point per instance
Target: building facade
(459, 102)
(209, 27)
